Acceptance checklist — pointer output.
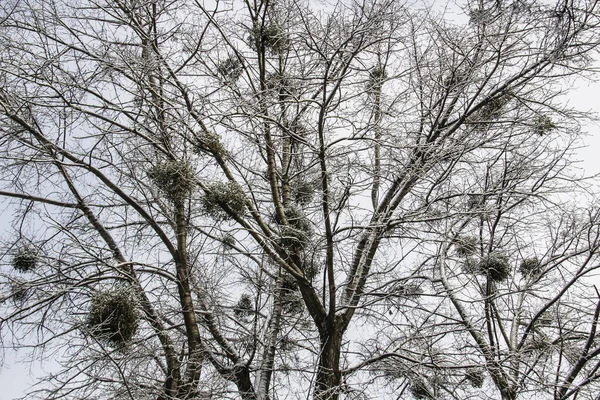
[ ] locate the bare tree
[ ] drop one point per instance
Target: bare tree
(274, 199)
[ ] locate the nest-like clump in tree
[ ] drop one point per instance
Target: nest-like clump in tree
(223, 199)
(377, 77)
(292, 239)
(418, 388)
(475, 201)
(303, 191)
(546, 319)
(244, 307)
(538, 341)
(495, 266)
(531, 266)
(466, 246)
(454, 78)
(228, 241)
(295, 235)
(271, 36)
(311, 270)
(230, 69)
(475, 376)
(291, 299)
(175, 179)
(408, 290)
(296, 128)
(279, 83)
(26, 258)
(19, 291)
(289, 283)
(293, 304)
(491, 110)
(209, 142)
(542, 125)
(286, 343)
(114, 316)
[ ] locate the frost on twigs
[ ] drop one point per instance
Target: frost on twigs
(222, 197)
(25, 258)
(114, 316)
(175, 179)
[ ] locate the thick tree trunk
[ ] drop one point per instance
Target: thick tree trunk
(329, 377)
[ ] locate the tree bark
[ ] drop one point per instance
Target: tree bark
(329, 377)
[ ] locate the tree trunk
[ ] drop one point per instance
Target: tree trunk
(329, 377)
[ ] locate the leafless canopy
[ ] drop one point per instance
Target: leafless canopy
(292, 199)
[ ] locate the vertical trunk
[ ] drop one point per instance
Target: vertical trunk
(268, 358)
(329, 377)
(244, 382)
(188, 389)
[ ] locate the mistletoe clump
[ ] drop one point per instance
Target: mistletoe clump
(114, 316)
(531, 266)
(418, 388)
(223, 199)
(244, 307)
(230, 69)
(296, 233)
(176, 179)
(495, 266)
(280, 83)
(466, 246)
(490, 111)
(209, 142)
(475, 376)
(311, 270)
(19, 291)
(271, 36)
(303, 191)
(542, 124)
(25, 258)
